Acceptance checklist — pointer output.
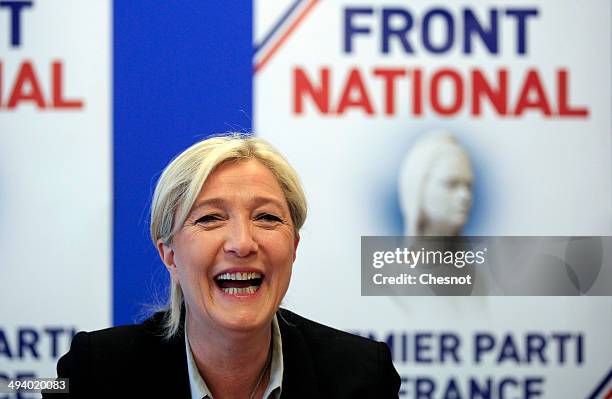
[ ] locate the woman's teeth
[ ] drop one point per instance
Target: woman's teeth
(239, 282)
(247, 290)
(239, 276)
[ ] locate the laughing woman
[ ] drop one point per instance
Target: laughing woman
(225, 218)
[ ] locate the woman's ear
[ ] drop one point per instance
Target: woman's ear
(166, 253)
(295, 245)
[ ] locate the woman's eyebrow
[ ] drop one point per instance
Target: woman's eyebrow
(220, 202)
(215, 202)
(264, 200)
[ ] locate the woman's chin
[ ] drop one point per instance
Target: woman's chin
(243, 320)
(243, 314)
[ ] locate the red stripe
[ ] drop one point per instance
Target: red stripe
(285, 36)
(609, 395)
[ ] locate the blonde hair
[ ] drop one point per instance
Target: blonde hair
(182, 180)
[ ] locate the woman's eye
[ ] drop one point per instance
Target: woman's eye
(207, 219)
(267, 217)
(452, 184)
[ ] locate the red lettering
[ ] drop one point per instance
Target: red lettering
(562, 88)
(417, 92)
(354, 84)
(303, 86)
(441, 93)
(26, 77)
(389, 75)
(481, 88)
(57, 84)
(435, 92)
(532, 85)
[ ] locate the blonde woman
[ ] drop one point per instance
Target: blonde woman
(225, 218)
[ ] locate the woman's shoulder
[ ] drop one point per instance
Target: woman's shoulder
(315, 332)
(342, 364)
(124, 337)
(101, 360)
(328, 345)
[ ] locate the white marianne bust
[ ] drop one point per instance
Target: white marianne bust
(435, 186)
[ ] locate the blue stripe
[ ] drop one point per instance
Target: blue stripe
(180, 72)
(601, 386)
(276, 27)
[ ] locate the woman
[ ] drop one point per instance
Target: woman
(225, 218)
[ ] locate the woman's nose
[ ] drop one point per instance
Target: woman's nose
(464, 193)
(240, 241)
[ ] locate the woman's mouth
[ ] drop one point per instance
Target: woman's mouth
(239, 282)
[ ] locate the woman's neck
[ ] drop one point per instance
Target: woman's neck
(440, 229)
(230, 363)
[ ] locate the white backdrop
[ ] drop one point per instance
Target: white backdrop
(535, 174)
(55, 182)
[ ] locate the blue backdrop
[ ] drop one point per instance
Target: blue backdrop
(181, 72)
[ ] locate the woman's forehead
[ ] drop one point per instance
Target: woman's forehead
(244, 179)
(455, 164)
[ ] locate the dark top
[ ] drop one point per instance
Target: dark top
(136, 361)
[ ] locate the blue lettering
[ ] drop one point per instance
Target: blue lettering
(53, 333)
(5, 349)
(452, 391)
(579, 349)
(434, 30)
(533, 387)
(422, 348)
(535, 346)
(508, 351)
(562, 339)
(424, 388)
(28, 339)
(449, 346)
(521, 31)
(404, 348)
(502, 385)
(482, 390)
(450, 30)
(350, 29)
(484, 343)
(489, 37)
(15, 8)
(404, 381)
(400, 32)
(484, 387)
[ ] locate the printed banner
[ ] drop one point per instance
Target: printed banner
(479, 118)
(55, 180)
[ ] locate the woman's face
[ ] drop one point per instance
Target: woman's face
(447, 195)
(234, 254)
